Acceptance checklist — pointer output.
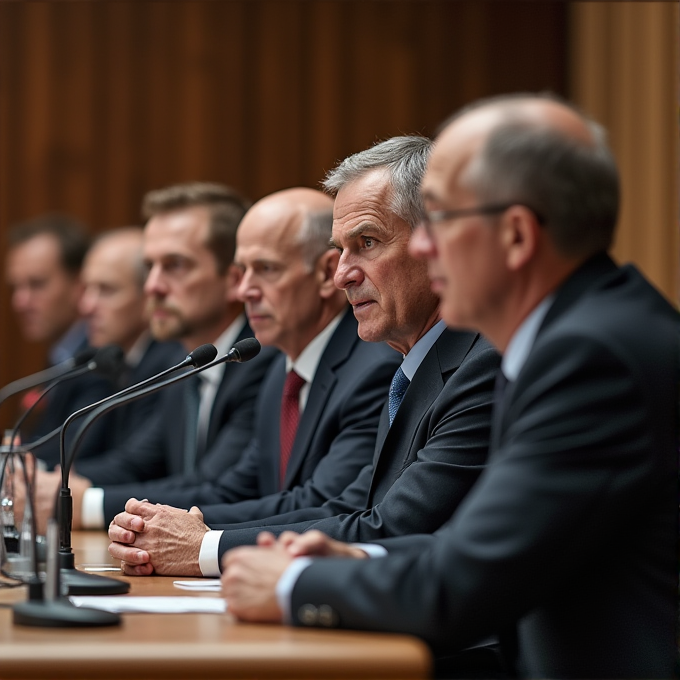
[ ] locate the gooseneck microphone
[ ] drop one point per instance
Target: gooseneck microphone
(51, 609)
(51, 373)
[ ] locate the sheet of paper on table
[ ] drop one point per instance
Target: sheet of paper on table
(207, 585)
(151, 605)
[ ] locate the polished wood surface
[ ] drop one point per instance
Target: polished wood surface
(194, 645)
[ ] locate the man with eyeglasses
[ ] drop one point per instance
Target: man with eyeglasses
(566, 547)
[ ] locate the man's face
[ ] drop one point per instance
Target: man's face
(44, 295)
(280, 290)
(113, 300)
(186, 294)
(465, 255)
(387, 288)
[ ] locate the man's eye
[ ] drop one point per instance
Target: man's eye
(368, 242)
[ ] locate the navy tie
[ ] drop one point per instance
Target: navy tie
(398, 388)
(192, 400)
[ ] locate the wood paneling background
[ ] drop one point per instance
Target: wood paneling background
(102, 101)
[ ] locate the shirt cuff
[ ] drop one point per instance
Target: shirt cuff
(371, 549)
(92, 510)
(209, 556)
(286, 583)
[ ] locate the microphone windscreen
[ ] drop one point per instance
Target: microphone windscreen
(85, 356)
(247, 349)
(109, 361)
(203, 355)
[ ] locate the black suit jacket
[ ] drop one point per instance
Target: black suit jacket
(64, 399)
(157, 449)
(570, 533)
(423, 466)
(335, 437)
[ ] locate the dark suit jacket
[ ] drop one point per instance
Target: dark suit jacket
(335, 437)
(157, 450)
(64, 399)
(570, 533)
(423, 466)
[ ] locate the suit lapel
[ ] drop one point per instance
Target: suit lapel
(394, 444)
(338, 349)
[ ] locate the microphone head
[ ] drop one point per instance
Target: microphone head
(202, 355)
(84, 356)
(245, 350)
(108, 361)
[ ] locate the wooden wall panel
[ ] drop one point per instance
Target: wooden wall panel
(103, 101)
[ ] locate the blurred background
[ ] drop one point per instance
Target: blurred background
(103, 101)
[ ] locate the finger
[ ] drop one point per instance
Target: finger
(120, 535)
(287, 538)
(128, 554)
(136, 570)
(310, 543)
(266, 539)
(129, 521)
(195, 511)
(142, 508)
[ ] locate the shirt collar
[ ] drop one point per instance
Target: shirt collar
(223, 344)
(69, 343)
(522, 341)
(308, 361)
(417, 353)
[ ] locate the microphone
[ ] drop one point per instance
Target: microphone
(53, 610)
(51, 373)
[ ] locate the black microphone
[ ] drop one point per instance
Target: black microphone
(83, 357)
(53, 610)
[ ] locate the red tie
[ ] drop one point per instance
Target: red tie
(290, 416)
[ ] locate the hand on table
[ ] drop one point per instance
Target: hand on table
(150, 538)
(251, 574)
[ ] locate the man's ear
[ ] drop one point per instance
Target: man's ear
(325, 272)
(232, 280)
(520, 234)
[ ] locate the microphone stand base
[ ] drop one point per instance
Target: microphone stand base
(81, 583)
(61, 614)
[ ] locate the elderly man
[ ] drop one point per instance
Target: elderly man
(570, 534)
(44, 259)
(113, 306)
(431, 447)
(199, 429)
(318, 413)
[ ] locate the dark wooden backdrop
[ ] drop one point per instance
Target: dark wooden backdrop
(102, 101)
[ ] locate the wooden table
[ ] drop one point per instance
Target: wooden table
(194, 645)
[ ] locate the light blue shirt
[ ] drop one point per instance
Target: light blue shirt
(68, 344)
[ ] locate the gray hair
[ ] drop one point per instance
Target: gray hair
(573, 185)
(314, 235)
(404, 158)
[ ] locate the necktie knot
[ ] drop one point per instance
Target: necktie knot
(293, 385)
(398, 388)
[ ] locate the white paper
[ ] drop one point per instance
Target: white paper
(153, 605)
(207, 585)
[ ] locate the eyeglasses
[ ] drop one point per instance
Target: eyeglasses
(436, 216)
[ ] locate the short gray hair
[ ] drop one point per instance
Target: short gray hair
(314, 235)
(573, 185)
(404, 158)
(138, 265)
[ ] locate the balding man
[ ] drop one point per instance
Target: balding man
(320, 404)
(113, 305)
(569, 537)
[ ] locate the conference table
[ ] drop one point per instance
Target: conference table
(193, 645)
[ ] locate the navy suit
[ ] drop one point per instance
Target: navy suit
(570, 533)
(156, 450)
(423, 466)
(335, 437)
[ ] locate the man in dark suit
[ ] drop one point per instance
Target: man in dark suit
(44, 260)
(342, 382)
(190, 287)
(427, 459)
(569, 537)
(113, 305)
